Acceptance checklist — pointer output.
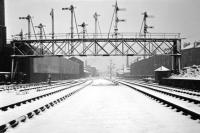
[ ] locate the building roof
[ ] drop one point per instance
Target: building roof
(76, 60)
(162, 68)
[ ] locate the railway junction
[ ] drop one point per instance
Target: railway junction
(45, 86)
(100, 105)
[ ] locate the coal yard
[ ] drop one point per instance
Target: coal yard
(73, 72)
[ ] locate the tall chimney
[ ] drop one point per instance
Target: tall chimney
(2, 26)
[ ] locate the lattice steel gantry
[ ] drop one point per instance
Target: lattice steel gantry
(125, 45)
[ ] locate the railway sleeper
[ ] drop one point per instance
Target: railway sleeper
(4, 108)
(173, 95)
(193, 115)
(22, 118)
(3, 128)
(47, 106)
(18, 104)
(51, 103)
(30, 115)
(13, 123)
(37, 111)
(42, 108)
(12, 106)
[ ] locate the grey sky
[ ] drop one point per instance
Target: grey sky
(171, 16)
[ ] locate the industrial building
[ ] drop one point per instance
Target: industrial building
(34, 69)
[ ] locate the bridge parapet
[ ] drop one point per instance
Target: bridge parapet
(98, 36)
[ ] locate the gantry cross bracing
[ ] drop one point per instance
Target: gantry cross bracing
(100, 45)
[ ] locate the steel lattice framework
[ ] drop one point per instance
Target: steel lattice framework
(165, 44)
(99, 45)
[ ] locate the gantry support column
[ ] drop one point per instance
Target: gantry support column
(176, 56)
(12, 63)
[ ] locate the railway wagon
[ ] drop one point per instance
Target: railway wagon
(37, 69)
(190, 57)
(81, 65)
(146, 67)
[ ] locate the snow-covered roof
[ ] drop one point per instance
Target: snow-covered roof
(4, 72)
(85, 71)
(162, 68)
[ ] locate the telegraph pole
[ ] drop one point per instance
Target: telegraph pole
(117, 20)
(145, 31)
(96, 30)
(41, 27)
(110, 69)
(53, 33)
(21, 34)
(71, 8)
(127, 62)
(83, 25)
(28, 18)
(96, 24)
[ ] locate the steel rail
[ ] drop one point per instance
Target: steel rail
(195, 101)
(171, 89)
(23, 118)
(5, 108)
(194, 115)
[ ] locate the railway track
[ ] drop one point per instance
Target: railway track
(31, 86)
(49, 90)
(179, 90)
(23, 110)
(106, 101)
(189, 96)
(186, 104)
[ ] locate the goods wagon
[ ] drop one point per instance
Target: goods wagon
(190, 57)
(37, 69)
(146, 67)
(55, 65)
(69, 67)
(81, 65)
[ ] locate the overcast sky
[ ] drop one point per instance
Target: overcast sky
(170, 16)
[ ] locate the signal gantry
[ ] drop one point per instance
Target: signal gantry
(30, 22)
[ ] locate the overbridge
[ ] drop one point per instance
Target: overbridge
(125, 44)
(144, 43)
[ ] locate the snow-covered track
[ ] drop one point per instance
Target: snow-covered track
(48, 105)
(179, 90)
(37, 97)
(186, 105)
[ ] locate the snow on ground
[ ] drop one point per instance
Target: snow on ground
(10, 97)
(173, 89)
(16, 112)
(167, 89)
(182, 103)
(174, 92)
(109, 109)
(191, 72)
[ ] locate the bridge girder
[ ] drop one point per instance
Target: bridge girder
(97, 47)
